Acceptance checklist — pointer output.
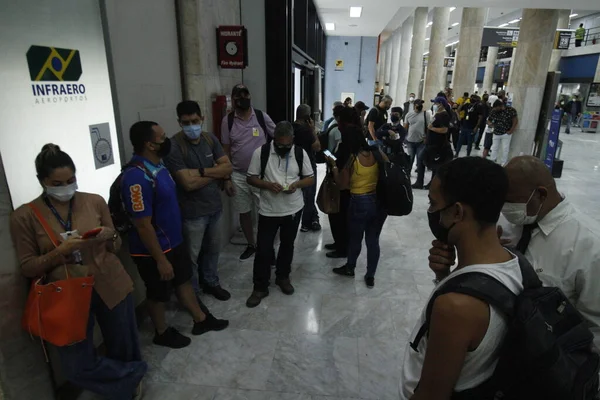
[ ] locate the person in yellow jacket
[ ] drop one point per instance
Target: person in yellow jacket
(579, 35)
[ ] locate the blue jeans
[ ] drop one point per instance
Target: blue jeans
(117, 375)
(467, 136)
(202, 238)
(365, 219)
(310, 213)
(571, 120)
(415, 150)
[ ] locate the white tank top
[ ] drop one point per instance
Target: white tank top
(479, 364)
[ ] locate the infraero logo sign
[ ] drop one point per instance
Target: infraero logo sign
(56, 65)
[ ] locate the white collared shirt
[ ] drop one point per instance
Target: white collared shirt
(565, 253)
(282, 170)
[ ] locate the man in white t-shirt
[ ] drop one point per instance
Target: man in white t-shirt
(460, 351)
(280, 170)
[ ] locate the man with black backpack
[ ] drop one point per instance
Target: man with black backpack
(280, 170)
(459, 350)
(244, 130)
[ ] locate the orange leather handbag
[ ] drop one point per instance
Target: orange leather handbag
(58, 312)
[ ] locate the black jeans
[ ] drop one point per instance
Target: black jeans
(310, 214)
(339, 223)
(267, 230)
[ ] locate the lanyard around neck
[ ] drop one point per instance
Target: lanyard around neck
(66, 225)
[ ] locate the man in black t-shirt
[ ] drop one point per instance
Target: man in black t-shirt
(306, 137)
(378, 116)
(470, 124)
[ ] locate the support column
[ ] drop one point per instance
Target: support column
(529, 74)
(407, 32)
(563, 23)
(490, 65)
(417, 49)
(395, 69)
(381, 67)
(388, 63)
(435, 79)
(467, 57)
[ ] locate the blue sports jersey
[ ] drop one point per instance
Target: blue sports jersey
(143, 199)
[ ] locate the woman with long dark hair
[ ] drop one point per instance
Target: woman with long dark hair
(68, 213)
(361, 174)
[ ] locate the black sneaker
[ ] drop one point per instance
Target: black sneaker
(218, 292)
(172, 338)
(330, 246)
(209, 324)
(336, 254)
(316, 226)
(426, 187)
(255, 298)
(304, 228)
(344, 271)
(249, 252)
(370, 281)
(285, 285)
(477, 148)
(417, 186)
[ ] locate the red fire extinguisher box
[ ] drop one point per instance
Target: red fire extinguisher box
(221, 106)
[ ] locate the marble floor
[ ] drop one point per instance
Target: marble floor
(333, 339)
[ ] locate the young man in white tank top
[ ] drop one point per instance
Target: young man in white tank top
(461, 349)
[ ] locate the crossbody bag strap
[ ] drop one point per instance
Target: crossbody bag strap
(44, 224)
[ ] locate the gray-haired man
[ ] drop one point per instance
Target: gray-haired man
(280, 170)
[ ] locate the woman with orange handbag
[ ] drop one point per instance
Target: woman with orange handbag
(61, 237)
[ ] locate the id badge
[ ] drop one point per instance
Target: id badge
(467, 118)
(255, 132)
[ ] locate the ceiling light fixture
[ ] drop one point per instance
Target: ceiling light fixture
(514, 21)
(355, 12)
(503, 25)
(452, 9)
(329, 26)
(425, 53)
(426, 38)
(455, 24)
(573, 15)
(429, 23)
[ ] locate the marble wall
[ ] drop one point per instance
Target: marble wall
(467, 57)
(23, 371)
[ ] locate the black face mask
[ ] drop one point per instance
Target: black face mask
(439, 231)
(282, 151)
(395, 118)
(164, 149)
(242, 104)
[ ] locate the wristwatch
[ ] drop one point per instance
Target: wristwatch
(201, 170)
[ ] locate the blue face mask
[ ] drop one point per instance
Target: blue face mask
(193, 132)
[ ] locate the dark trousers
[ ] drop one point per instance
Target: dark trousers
(267, 230)
(415, 150)
(339, 223)
(578, 42)
(420, 170)
(455, 133)
(310, 214)
(480, 135)
(365, 219)
(117, 375)
(466, 137)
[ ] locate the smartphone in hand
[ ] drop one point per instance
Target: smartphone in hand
(328, 154)
(91, 233)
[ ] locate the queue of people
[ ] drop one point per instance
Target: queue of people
(171, 191)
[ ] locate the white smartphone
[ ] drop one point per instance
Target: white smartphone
(328, 154)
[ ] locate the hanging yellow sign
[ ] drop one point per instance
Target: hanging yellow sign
(339, 65)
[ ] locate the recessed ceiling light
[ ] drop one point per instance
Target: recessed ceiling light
(452, 9)
(455, 24)
(573, 15)
(425, 53)
(429, 23)
(355, 12)
(503, 25)
(329, 26)
(427, 39)
(514, 21)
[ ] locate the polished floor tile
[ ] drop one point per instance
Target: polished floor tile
(334, 339)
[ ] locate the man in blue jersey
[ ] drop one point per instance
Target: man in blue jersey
(156, 244)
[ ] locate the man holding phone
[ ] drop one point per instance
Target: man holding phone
(305, 136)
(279, 176)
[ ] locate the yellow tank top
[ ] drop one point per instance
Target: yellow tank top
(364, 179)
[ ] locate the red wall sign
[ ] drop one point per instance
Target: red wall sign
(232, 47)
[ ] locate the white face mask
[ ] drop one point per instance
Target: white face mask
(435, 108)
(516, 213)
(411, 99)
(62, 193)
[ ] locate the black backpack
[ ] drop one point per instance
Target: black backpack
(120, 217)
(260, 117)
(265, 152)
(394, 189)
(324, 141)
(548, 352)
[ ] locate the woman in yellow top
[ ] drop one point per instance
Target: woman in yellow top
(366, 216)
